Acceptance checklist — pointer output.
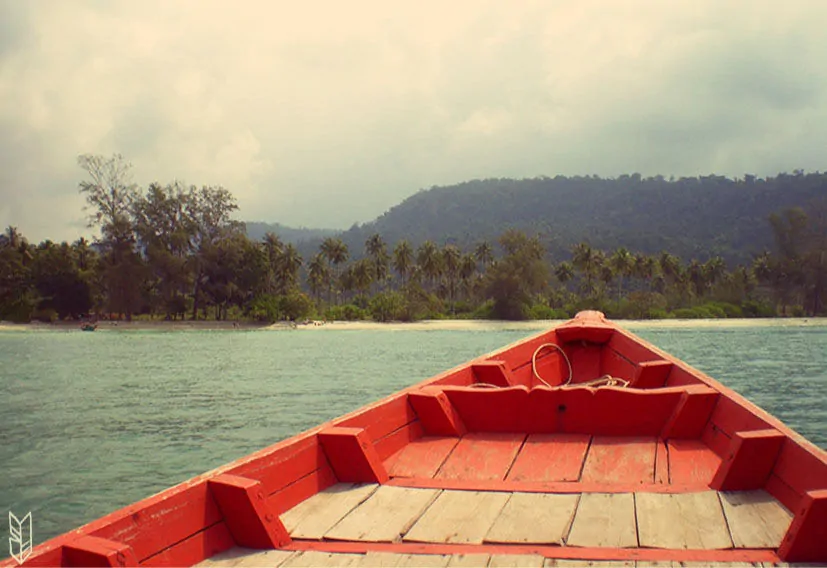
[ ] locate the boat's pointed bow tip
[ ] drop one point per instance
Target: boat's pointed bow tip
(590, 315)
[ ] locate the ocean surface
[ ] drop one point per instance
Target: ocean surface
(90, 422)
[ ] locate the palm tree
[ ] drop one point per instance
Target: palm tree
(697, 276)
(428, 258)
(273, 248)
(564, 272)
(318, 275)
(336, 253)
(467, 270)
(484, 254)
(363, 275)
(585, 259)
(645, 268)
(378, 253)
(403, 259)
(451, 257)
(715, 270)
(621, 262)
(288, 267)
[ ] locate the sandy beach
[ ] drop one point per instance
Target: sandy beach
(426, 325)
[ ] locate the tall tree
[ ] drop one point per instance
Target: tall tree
(515, 278)
(429, 261)
(484, 254)
(377, 250)
(403, 260)
(110, 196)
(585, 259)
(273, 249)
(318, 275)
(451, 258)
(210, 210)
(336, 253)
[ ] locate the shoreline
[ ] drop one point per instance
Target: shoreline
(425, 325)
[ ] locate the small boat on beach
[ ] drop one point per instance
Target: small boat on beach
(88, 326)
(581, 445)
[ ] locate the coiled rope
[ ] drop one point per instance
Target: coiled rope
(604, 381)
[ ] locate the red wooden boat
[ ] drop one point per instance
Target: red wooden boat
(583, 443)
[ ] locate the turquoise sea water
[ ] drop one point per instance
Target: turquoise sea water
(90, 422)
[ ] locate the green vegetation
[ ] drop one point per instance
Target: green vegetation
(174, 252)
(691, 217)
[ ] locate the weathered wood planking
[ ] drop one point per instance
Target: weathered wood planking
(248, 557)
(604, 519)
(691, 461)
(681, 520)
(384, 516)
(458, 517)
(313, 558)
(421, 458)
(312, 518)
(376, 559)
(516, 560)
(482, 456)
(535, 518)
(661, 463)
(423, 560)
(553, 562)
(238, 556)
(469, 560)
(755, 519)
(620, 460)
(550, 457)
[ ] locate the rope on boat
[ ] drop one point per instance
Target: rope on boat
(534, 363)
(604, 381)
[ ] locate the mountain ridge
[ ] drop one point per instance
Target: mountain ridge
(695, 217)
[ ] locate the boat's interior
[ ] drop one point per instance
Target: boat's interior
(581, 445)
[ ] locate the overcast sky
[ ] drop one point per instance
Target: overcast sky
(323, 114)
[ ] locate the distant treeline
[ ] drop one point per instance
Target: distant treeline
(174, 252)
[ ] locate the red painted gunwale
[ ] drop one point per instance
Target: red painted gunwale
(671, 401)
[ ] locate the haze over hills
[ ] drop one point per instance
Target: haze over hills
(689, 217)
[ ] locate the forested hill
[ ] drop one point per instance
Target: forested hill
(689, 217)
(256, 231)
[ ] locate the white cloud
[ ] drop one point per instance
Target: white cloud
(326, 113)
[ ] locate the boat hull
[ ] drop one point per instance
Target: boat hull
(519, 421)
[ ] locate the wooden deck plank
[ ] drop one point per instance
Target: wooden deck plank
(239, 556)
(555, 562)
(516, 560)
(755, 518)
(535, 518)
(314, 558)
(604, 519)
(458, 517)
(375, 559)
(421, 458)
(681, 520)
(423, 560)
(691, 461)
(386, 515)
(469, 560)
(550, 457)
(269, 558)
(312, 518)
(620, 460)
(482, 456)
(661, 463)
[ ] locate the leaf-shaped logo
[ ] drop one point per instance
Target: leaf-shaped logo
(20, 537)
